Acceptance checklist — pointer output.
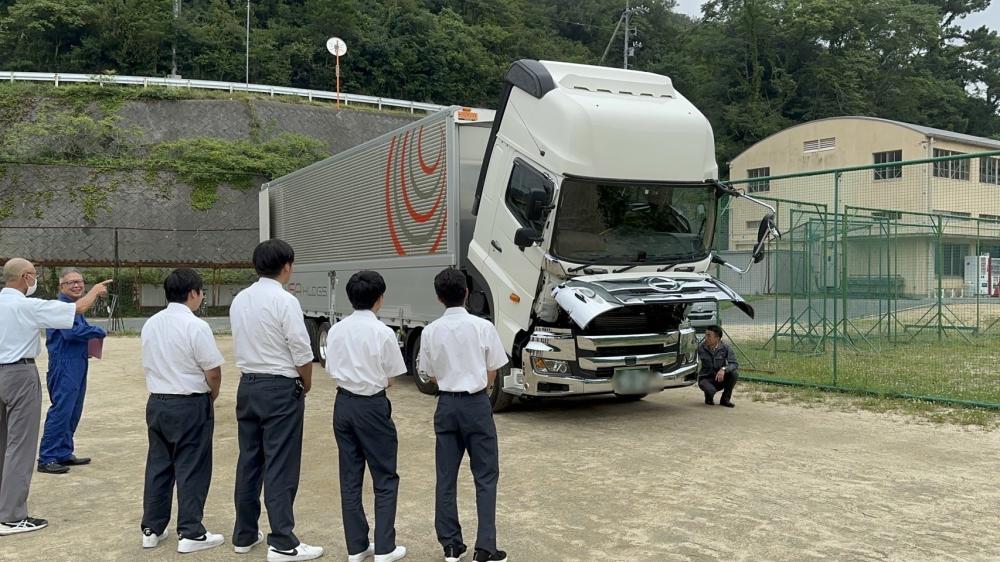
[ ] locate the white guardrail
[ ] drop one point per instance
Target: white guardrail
(147, 81)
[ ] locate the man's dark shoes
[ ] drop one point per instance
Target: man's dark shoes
(483, 556)
(53, 468)
(25, 525)
(73, 460)
(727, 404)
(454, 552)
(709, 401)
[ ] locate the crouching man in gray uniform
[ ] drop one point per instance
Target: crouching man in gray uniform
(718, 368)
(183, 369)
(462, 353)
(363, 356)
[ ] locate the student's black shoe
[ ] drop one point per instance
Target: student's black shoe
(709, 401)
(53, 468)
(728, 404)
(454, 552)
(483, 556)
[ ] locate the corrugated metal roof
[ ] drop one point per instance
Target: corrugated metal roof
(930, 132)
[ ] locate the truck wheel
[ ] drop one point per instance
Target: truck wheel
(320, 348)
(500, 399)
(312, 328)
(424, 385)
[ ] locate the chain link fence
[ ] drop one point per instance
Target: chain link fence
(886, 280)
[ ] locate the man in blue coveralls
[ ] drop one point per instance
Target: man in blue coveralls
(66, 380)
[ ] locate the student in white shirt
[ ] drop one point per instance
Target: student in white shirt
(275, 361)
(462, 353)
(183, 368)
(21, 317)
(363, 356)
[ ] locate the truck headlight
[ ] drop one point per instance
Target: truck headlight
(554, 366)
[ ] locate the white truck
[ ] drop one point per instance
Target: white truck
(582, 212)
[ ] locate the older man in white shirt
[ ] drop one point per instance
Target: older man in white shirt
(363, 356)
(20, 389)
(462, 353)
(183, 369)
(275, 361)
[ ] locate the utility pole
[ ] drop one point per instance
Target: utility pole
(248, 45)
(630, 32)
(173, 46)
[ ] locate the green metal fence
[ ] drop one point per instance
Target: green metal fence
(886, 280)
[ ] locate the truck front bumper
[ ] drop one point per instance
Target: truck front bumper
(534, 384)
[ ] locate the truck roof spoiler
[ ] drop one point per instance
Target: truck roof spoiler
(529, 76)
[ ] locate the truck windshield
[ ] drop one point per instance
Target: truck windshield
(633, 223)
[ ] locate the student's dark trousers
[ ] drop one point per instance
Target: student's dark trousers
(365, 433)
(710, 387)
(464, 422)
(180, 431)
(269, 415)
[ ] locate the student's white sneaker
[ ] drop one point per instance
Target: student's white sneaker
(204, 542)
(301, 552)
(151, 539)
(361, 556)
(246, 549)
(397, 554)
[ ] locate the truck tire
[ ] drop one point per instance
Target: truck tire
(423, 385)
(320, 348)
(500, 399)
(312, 328)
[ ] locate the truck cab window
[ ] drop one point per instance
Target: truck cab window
(527, 184)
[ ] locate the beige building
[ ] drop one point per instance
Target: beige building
(899, 208)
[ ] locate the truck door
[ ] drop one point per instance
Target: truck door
(516, 271)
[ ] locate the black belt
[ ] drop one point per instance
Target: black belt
(25, 361)
(174, 396)
(446, 393)
(263, 377)
(378, 394)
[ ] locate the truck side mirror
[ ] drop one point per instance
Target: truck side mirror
(538, 201)
(524, 237)
(764, 231)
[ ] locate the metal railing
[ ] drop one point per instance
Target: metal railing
(147, 81)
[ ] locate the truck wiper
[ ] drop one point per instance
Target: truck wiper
(580, 267)
(626, 268)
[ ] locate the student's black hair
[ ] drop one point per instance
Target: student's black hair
(715, 329)
(270, 256)
(180, 283)
(364, 288)
(451, 286)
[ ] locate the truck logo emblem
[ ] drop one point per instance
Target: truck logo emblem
(415, 209)
(663, 284)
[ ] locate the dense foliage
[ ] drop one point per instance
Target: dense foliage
(753, 66)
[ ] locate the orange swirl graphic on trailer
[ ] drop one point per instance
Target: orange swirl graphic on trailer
(415, 190)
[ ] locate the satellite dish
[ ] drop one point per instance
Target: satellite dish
(336, 46)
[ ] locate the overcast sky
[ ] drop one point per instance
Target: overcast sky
(990, 17)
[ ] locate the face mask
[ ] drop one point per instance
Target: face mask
(32, 288)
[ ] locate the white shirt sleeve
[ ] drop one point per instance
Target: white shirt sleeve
(206, 353)
(424, 357)
(496, 357)
(392, 358)
(53, 314)
(294, 325)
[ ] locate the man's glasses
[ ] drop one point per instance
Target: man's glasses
(72, 283)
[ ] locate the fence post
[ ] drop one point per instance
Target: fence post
(836, 272)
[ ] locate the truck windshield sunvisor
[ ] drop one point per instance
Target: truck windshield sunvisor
(633, 223)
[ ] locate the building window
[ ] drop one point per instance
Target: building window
(989, 170)
(952, 261)
(991, 249)
(956, 214)
(889, 172)
(953, 169)
(989, 218)
(887, 215)
(816, 145)
(758, 186)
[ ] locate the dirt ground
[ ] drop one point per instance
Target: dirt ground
(663, 479)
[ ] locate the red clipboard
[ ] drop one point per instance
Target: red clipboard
(95, 348)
